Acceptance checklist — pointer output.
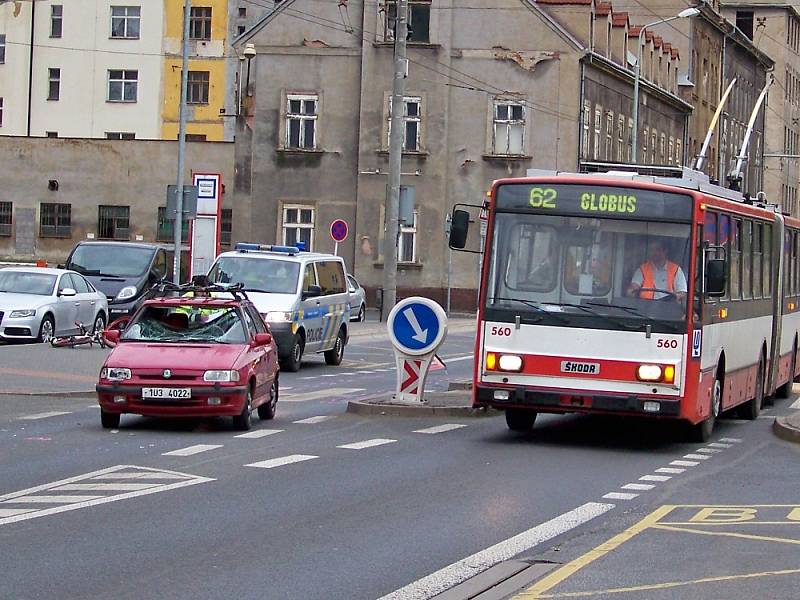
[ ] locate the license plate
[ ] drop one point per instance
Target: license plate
(585, 368)
(166, 393)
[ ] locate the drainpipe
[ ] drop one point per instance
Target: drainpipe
(30, 63)
(581, 110)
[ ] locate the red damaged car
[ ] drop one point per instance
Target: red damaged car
(191, 356)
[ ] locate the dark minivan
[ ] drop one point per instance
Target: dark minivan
(123, 271)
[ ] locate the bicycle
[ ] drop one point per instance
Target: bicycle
(83, 337)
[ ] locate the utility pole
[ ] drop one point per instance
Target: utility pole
(178, 228)
(392, 217)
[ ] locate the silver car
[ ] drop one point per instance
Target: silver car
(38, 303)
(358, 300)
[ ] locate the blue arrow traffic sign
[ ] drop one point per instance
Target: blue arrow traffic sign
(417, 325)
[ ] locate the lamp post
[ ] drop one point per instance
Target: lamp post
(684, 14)
(249, 54)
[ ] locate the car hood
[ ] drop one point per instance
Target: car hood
(10, 301)
(265, 303)
(143, 355)
(110, 286)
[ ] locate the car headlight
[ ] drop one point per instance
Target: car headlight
(129, 291)
(221, 376)
(279, 317)
(115, 373)
(21, 314)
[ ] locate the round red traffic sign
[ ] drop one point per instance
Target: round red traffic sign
(339, 230)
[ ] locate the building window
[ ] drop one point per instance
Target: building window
(195, 137)
(653, 143)
(5, 219)
(509, 128)
(226, 227)
(165, 228)
(620, 138)
(53, 84)
(55, 220)
(412, 118)
(120, 135)
(301, 121)
(242, 12)
(200, 23)
(671, 159)
(1, 111)
(419, 21)
(662, 148)
(125, 21)
(241, 29)
(123, 86)
(113, 222)
(587, 108)
(2, 48)
(51, 134)
(197, 92)
(407, 243)
(598, 124)
(644, 145)
(630, 140)
(298, 226)
(609, 135)
(56, 20)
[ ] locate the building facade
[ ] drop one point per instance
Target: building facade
(312, 145)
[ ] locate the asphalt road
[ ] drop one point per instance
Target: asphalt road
(321, 504)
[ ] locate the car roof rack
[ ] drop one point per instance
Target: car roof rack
(167, 289)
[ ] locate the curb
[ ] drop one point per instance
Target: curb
(68, 394)
(786, 431)
(401, 410)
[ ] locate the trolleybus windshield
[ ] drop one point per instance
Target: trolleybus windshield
(591, 268)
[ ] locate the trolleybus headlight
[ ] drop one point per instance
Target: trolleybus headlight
(649, 373)
(510, 362)
(491, 361)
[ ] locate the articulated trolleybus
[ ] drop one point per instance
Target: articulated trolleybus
(624, 294)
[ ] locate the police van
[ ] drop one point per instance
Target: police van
(303, 296)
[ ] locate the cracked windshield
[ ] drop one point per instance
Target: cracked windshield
(593, 267)
(187, 323)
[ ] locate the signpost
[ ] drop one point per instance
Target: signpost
(417, 327)
(339, 231)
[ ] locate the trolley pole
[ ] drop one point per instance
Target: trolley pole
(392, 219)
(178, 228)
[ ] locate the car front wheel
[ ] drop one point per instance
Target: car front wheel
(109, 420)
(47, 329)
(334, 355)
(267, 410)
(292, 362)
(243, 421)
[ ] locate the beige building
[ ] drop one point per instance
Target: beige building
(492, 91)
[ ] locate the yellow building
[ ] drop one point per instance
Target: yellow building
(206, 96)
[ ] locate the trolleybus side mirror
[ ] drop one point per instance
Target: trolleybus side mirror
(716, 278)
(458, 229)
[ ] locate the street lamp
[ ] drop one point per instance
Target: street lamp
(249, 53)
(684, 14)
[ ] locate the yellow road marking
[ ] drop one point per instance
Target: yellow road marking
(671, 584)
(552, 580)
(744, 536)
(737, 524)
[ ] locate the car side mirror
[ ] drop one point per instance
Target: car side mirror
(61, 266)
(112, 335)
(459, 227)
(313, 291)
(262, 339)
(716, 278)
(67, 293)
(352, 290)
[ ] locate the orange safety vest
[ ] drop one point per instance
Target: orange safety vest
(649, 280)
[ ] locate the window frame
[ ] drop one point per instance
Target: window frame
(408, 232)
(113, 218)
(389, 18)
(6, 218)
(53, 84)
(122, 80)
(586, 117)
(165, 228)
(298, 225)
(126, 20)
(226, 227)
(200, 29)
(407, 120)
(598, 127)
(61, 226)
(2, 48)
(302, 118)
(509, 123)
(56, 21)
(200, 86)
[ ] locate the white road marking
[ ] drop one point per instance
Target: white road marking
(795, 404)
(140, 475)
(719, 445)
(684, 463)
(31, 495)
(366, 444)
(43, 415)
(104, 487)
(655, 478)
(731, 440)
(620, 496)
(639, 487)
(319, 394)
(441, 428)
(696, 456)
(709, 450)
(283, 460)
(313, 420)
(670, 470)
(258, 433)
(457, 358)
(464, 569)
(190, 450)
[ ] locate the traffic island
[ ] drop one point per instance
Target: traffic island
(788, 428)
(453, 403)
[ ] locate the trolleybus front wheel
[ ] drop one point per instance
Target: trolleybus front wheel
(520, 420)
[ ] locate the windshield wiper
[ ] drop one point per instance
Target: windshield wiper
(595, 313)
(627, 309)
(254, 289)
(534, 305)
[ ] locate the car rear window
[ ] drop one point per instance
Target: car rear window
(187, 323)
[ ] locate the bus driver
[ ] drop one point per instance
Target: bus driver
(658, 273)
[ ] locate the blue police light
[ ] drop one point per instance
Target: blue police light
(250, 247)
(301, 246)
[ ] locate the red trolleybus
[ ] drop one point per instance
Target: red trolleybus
(625, 294)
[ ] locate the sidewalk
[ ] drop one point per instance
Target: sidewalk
(372, 327)
(788, 428)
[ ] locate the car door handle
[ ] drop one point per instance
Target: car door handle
(77, 304)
